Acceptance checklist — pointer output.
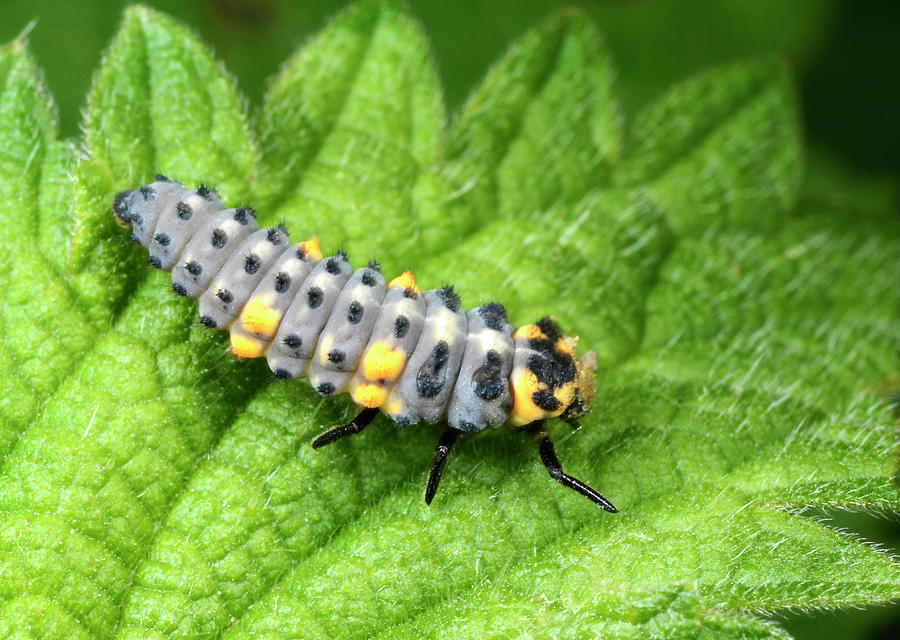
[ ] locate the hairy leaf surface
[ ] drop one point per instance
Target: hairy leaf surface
(153, 486)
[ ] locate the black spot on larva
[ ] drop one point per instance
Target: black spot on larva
(409, 292)
(225, 296)
(121, 207)
(325, 389)
(545, 400)
(550, 328)
(355, 312)
(177, 288)
(183, 210)
(336, 356)
(430, 378)
(282, 282)
(194, 268)
(373, 264)
(137, 220)
(148, 192)
(368, 279)
(155, 261)
(342, 255)
(465, 425)
(494, 315)
(487, 383)
(401, 327)
(163, 239)
(219, 238)
(549, 366)
(161, 178)
(402, 422)
(275, 235)
(332, 266)
(207, 321)
(314, 297)
(449, 298)
(293, 341)
(251, 263)
(243, 215)
(282, 374)
(301, 253)
(135, 239)
(203, 191)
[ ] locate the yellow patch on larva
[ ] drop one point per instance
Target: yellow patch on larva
(566, 345)
(564, 394)
(312, 248)
(393, 406)
(259, 318)
(325, 343)
(529, 331)
(368, 395)
(244, 347)
(383, 362)
(524, 411)
(405, 281)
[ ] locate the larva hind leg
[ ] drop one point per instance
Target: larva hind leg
(445, 444)
(538, 433)
(360, 422)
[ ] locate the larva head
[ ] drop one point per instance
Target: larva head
(547, 379)
(140, 208)
(122, 208)
(583, 400)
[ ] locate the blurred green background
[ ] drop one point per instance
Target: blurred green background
(844, 55)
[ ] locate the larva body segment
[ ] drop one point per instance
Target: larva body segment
(232, 286)
(424, 388)
(209, 248)
(347, 331)
(393, 340)
(413, 356)
(262, 316)
(292, 350)
(177, 224)
(481, 395)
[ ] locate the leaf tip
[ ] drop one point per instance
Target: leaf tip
(22, 38)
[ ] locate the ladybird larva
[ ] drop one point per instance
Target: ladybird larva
(415, 356)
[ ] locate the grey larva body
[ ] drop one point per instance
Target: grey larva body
(414, 356)
(327, 318)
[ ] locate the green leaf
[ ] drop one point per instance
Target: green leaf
(44, 332)
(352, 125)
(547, 107)
(723, 146)
(154, 487)
(159, 103)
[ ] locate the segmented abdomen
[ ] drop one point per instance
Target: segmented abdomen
(416, 356)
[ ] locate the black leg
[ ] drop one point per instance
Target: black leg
(356, 425)
(554, 468)
(445, 443)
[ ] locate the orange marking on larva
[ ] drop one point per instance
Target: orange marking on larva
(566, 345)
(312, 248)
(564, 394)
(405, 281)
(368, 395)
(261, 319)
(524, 411)
(383, 362)
(393, 406)
(244, 347)
(529, 331)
